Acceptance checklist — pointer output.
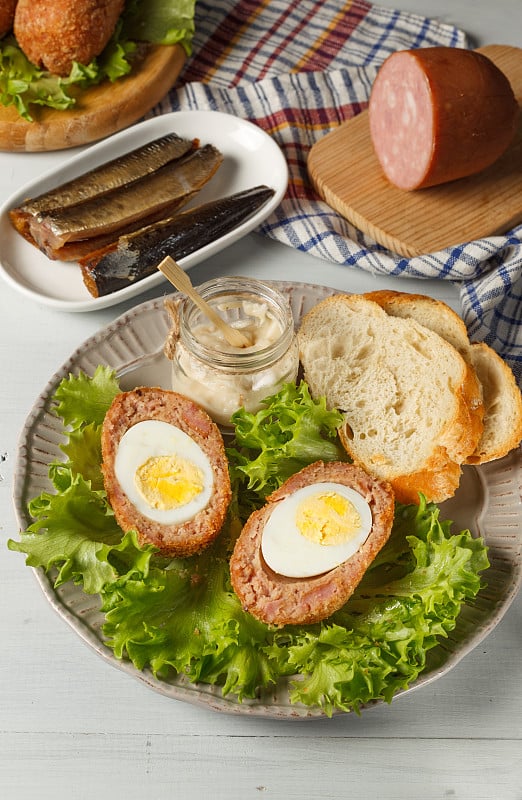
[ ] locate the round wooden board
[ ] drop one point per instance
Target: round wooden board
(100, 110)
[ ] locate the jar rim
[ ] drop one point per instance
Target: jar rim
(235, 287)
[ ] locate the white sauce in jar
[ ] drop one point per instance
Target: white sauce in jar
(222, 378)
(255, 320)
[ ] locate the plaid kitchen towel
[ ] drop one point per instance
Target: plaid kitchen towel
(297, 68)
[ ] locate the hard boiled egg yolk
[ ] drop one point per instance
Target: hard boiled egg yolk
(327, 518)
(168, 481)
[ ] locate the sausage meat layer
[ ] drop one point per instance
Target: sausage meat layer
(279, 600)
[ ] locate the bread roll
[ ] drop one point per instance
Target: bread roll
(502, 404)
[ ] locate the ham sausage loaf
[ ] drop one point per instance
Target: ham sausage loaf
(438, 114)
(54, 33)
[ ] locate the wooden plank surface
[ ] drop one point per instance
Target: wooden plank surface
(345, 172)
(99, 111)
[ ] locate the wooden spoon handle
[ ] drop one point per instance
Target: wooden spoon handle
(179, 278)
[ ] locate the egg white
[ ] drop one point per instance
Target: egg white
(151, 438)
(289, 553)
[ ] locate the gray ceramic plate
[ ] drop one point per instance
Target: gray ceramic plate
(487, 502)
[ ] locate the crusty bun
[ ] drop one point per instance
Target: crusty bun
(144, 404)
(278, 600)
(412, 412)
(501, 397)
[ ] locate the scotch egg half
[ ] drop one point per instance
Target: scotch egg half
(315, 529)
(165, 470)
(300, 557)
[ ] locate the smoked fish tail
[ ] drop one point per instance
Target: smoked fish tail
(136, 256)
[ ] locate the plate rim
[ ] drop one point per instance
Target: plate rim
(204, 694)
(139, 134)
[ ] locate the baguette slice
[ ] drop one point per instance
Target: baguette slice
(404, 390)
(432, 313)
(502, 399)
(502, 403)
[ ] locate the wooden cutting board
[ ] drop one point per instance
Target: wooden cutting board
(100, 110)
(345, 172)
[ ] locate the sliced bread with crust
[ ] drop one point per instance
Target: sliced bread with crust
(501, 397)
(502, 405)
(432, 313)
(404, 390)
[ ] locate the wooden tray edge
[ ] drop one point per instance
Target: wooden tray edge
(100, 110)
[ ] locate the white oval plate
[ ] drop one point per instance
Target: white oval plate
(487, 503)
(251, 158)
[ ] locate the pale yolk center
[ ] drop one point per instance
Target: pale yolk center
(167, 482)
(327, 518)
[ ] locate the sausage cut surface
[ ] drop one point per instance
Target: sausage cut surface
(438, 114)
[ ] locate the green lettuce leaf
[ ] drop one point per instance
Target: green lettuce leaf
(186, 619)
(288, 433)
(71, 531)
(378, 642)
(82, 400)
(74, 528)
(22, 84)
(75, 532)
(83, 450)
(114, 62)
(160, 21)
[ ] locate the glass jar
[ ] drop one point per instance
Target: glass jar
(222, 378)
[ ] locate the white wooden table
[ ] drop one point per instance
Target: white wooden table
(73, 727)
